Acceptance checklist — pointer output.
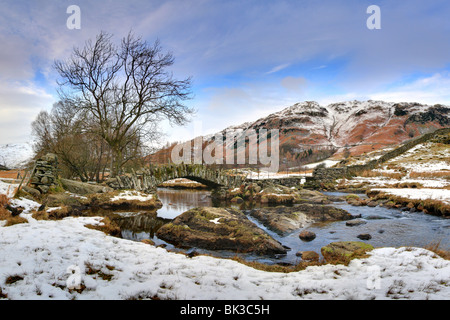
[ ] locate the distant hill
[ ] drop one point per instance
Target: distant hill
(310, 132)
(15, 155)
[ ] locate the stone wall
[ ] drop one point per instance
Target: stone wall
(45, 173)
(287, 182)
(149, 178)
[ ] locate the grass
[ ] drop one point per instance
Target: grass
(442, 174)
(7, 215)
(391, 175)
(15, 220)
(109, 227)
(429, 206)
(56, 214)
(13, 279)
(436, 248)
(91, 270)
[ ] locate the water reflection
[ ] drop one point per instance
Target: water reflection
(145, 222)
(176, 201)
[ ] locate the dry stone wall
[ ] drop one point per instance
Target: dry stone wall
(45, 173)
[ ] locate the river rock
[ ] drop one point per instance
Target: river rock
(283, 219)
(308, 255)
(344, 250)
(355, 222)
(313, 197)
(219, 229)
(32, 191)
(60, 199)
(364, 236)
(307, 235)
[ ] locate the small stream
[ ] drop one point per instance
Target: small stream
(387, 227)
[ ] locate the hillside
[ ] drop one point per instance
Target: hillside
(15, 155)
(310, 132)
(425, 165)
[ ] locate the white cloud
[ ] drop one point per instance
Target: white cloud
(278, 68)
(430, 90)
(19, 105)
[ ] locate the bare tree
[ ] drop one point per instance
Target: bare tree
(127, 89)
(81, 153)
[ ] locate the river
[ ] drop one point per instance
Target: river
(387, 227)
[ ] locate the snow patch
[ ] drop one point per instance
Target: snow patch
(132, 195)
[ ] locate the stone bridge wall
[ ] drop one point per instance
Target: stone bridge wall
(149, 178)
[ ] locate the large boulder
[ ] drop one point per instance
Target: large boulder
(83, 188)
(283, 219)
(344, 250)
(219, 229)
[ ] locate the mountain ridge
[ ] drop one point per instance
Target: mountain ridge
(352, 127)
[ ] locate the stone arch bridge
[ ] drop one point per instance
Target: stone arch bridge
(149, 178)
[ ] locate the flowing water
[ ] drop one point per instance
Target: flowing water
(387, 227)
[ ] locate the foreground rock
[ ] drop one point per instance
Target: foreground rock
(344, 250)
(219, 229)
(83, 188)
(125, 199)
(283, 219)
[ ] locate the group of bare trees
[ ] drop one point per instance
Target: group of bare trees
(112, 98)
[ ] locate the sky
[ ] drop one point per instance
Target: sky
(247, 58)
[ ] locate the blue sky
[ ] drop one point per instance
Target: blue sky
(247, 58)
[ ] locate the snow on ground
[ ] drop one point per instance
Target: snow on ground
(427, 167)
(424, 157)
(420, 194)
(384, 181)
(44, 253)
(328, 164)
(15, 155)
(7, 188)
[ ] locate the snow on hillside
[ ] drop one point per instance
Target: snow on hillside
(15, 155)
(339, 121)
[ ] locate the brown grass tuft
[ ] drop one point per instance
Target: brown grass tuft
(15, 220)
(443, 174)
(436, 248)
(109, 227)
(392, 175)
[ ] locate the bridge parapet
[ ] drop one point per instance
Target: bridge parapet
(149, 178)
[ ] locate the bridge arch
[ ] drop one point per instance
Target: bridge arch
(149, 178)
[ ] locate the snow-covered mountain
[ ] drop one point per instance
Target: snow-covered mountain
(15, 155)
(355, 126)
